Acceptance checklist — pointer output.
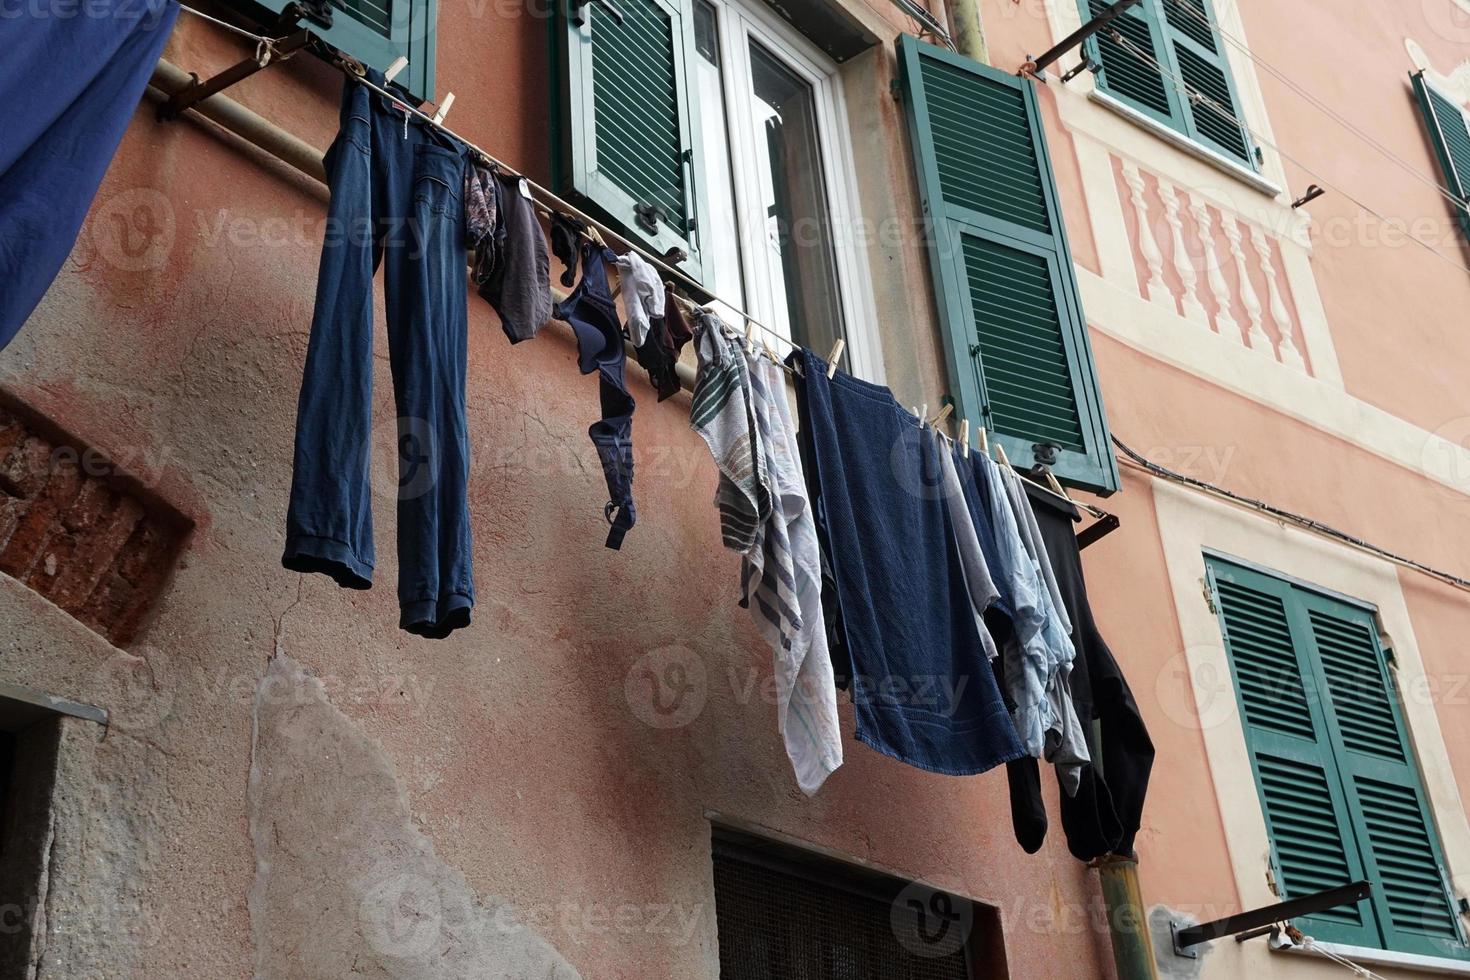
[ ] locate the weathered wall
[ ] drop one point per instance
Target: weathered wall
(291, 787)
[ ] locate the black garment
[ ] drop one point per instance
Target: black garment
(566, 237)
(1104, 816)
(519, 284)
(655, 357)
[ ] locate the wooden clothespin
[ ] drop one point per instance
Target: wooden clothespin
(942, 414)
(399, 63)
(444, 108)
(832, 357)
(965, 437)
(1051, 479)
(1000, 455)
(984, 441)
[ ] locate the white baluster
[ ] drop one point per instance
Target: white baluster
(1286, 348)
(1255, 335)
(1157, 290)
(1183, 264)
(1224, 319)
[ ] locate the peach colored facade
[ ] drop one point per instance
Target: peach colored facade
(293, 788)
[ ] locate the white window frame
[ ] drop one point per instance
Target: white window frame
(738, 23)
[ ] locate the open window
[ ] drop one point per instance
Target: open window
(714, 130)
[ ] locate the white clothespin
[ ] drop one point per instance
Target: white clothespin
(832, 357)
(444, 108)
(923, 414)
(984, 441)
(1000, 455)
(965, 437)
(399, 63)
(1051, 478)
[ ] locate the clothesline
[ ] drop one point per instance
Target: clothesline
(547, 202)
(550, 204)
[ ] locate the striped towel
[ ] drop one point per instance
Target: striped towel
(722, 414)
(767, 578)
(784, 592)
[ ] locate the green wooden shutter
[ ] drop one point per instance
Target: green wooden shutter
(1395, 832)
(1287, 737)
(1201, 65)
(378, 32)
(1449, 132)
(1016, 342)
(1341, 791)
(1126, 75)
(629, 126)
(1179, 37)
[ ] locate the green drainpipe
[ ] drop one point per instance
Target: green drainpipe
(969, 33)
(1133, 951)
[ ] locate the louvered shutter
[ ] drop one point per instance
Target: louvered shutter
(1449, 132)
(1130, 67)
(1169, 56)
(1200, 64)
(1396, 835)
(1016, 344)
(1287, 737)
(378, 32)
(629, 144)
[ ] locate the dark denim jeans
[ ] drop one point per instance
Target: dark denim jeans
(396, 203)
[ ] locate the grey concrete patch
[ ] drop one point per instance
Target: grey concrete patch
(345, 884)
(1171, 965)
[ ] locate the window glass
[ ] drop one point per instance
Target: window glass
(797, 239)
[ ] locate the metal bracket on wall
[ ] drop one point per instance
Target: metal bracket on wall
(274, 49)
(1036, 67)
(1248, 925)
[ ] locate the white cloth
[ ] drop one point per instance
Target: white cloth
(783, 589)
(643, 295)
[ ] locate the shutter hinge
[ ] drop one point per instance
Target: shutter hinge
(896, 90)
(1273, 881)
(974, 350)
(1208, 590)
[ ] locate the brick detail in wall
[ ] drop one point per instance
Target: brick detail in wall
(79, 533)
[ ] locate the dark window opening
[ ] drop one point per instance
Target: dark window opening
(790, 914)
(7, 763)
(31, 730)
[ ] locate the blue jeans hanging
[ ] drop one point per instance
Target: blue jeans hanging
(396, 192)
